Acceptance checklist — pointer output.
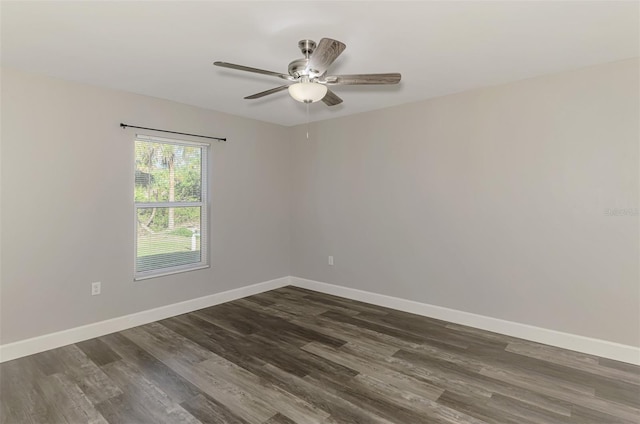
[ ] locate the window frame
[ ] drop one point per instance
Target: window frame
(203, 204)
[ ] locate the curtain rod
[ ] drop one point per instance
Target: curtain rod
(172, 132)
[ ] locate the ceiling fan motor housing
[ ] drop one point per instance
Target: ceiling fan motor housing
(298, 67)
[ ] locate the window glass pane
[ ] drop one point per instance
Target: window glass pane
(167, 172)
(168, 237)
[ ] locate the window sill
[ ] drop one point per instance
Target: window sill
(170, 272)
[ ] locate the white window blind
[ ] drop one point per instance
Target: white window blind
(170, 206)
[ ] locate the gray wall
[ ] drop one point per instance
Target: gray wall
(491, 202)
(67, 204)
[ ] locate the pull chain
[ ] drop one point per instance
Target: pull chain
(307, 121)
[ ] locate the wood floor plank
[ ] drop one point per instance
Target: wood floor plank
(585, 363)
(526, 412)
(329, 305)
(591, 402)
(295, 361)
(477, 408)
(341, 410)
(271, 394)
(468, 384)
(295, 356)
(142, 394)
(620, 392)
(341, 302)
(393, 331)
(270, 324)
(244, 405)
(584, 415)
(487, 335)
(69, 401)
(86, 374)
(21, 398)
(210, 411)
(622, 366)
(151, 368)
(280, 419)
(351, 333)
(98, 351)
(372, 401)
(300, 335)
(191, 363)
(227, 316)
(369, 368)
(589, 377)
(123, 409)
(543, 381)
(215, 339)
(418, 326)
(48, 362)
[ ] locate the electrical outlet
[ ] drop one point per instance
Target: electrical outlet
(331, 260)
(95, 288)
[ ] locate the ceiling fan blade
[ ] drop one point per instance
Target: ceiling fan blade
(331, 99)
(324, 55)
(267, 92)
(358, 79)
(254, 70)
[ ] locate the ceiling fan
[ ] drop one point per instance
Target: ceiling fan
(307, 76)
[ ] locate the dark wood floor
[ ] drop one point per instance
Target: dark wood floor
(296, 356)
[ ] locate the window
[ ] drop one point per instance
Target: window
(170, 206)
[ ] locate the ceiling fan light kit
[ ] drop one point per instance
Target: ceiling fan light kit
(308, 74)
(306, 91)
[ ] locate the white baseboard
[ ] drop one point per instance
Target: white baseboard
(74, 335)
(603, 348)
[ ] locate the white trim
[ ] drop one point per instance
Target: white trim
(147, 205)
(171, 271)
(603, 348)
(73, 335)
(165, 140)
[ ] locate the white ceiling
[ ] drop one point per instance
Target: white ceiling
(166, 49)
